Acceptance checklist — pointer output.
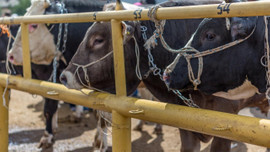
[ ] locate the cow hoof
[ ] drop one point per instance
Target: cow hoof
(158, 131)
(74, 119)
(233, 145)
(99, 150)
(46, 141)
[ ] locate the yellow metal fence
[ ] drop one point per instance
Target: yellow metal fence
(234, 127)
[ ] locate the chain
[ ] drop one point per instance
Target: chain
(55, 60)
(157, 72)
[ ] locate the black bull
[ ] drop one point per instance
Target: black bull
(97, 44)
(229, 68)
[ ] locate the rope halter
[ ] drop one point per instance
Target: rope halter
(84, 68)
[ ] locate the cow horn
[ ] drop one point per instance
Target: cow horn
(119, 5)
(46, 4)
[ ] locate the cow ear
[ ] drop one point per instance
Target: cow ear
(127, 31)
(241, 27)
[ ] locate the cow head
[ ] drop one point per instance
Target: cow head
(93, 60)
(41, 41)
(229, 68)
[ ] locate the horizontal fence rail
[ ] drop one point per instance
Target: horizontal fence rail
(230, 126)
(260, 8)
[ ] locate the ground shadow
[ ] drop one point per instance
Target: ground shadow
(88, 149)
(240, 147)
(142, 145)
(74, 130)
(27, 136)
(38, 107)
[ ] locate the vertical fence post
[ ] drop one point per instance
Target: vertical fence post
(26, 51)
(121, 128)
(4, 120)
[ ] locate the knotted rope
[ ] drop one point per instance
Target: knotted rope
(151, 43)
(84, 68)
(158, 33)
(137, 52)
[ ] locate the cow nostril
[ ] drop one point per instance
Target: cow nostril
(63, 79)
(11, 58)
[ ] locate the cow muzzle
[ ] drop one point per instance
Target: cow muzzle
(68, 79)
(14, 58)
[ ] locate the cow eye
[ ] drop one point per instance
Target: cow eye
(34, 26)
(98, 41)
(210, 36)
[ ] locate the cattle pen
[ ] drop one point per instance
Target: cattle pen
(230, 126)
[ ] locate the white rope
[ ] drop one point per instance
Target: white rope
(137, 52)
(4, 93)
(85, 71)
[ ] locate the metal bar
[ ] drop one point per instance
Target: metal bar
(121, 127)
(260, 8)
(230, 126)
(4, 120)
(121, 132)
(26, 52)
(118, 55)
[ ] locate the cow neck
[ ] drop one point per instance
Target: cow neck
(156, 71)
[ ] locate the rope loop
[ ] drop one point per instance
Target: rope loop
(84, 69)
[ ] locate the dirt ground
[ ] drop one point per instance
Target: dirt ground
(26, 126)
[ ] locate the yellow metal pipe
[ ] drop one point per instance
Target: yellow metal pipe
(121, 128)
(260, 8)
(118, 56)
(4, 120)
(121, 132)
(26, 52)
(240, 128)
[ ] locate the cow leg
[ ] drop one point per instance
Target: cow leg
(77, 117)
(221, 145)
(139, 125)
(158, 129)
(50, 109)
(100, 144)
(190, 143)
